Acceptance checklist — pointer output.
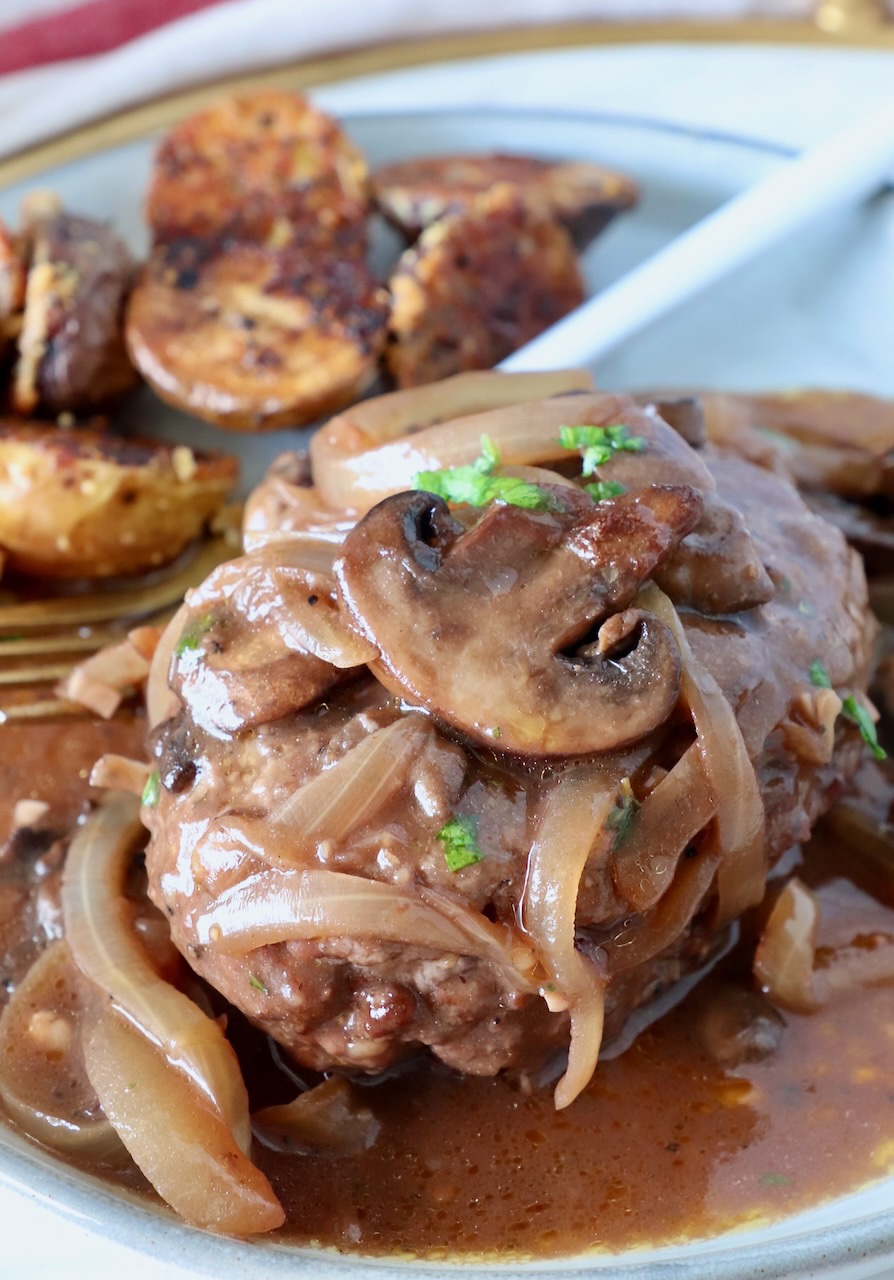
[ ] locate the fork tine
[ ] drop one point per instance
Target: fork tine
(48, 709)
(40, 674)
(69, 642)
(77, 611)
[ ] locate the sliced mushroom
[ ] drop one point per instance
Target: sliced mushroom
(496, 630)
(685, 414)
(261, 637)
(584, 197)
(716, 569)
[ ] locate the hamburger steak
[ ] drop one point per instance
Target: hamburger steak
(392, 789)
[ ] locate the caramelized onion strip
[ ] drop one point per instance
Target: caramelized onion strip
(182, 1145)
(739, 822)
(798, 976)
(285, 906)
(783, 961)
(161, 701)
(377, 447)
(288, 586)
(99, 931)
(330, 1117)
(349, 794)
(44, 1088)
(672, 815)
(635, 945)
(572, 822)
(319, 629)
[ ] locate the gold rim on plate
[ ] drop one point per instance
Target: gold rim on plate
(837, 24)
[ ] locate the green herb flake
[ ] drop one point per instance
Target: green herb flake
(599, 490)
(806, 608)
(622, 815)
(495, 732)
(599, 444)
(478, 485)
(775, 1180)
(191, 639)
(459, 837)
(255, 981)
(151, 790)
(856, 712)
(852, 710)
(819, 675)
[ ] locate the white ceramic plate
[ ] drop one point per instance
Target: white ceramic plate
(817, 310)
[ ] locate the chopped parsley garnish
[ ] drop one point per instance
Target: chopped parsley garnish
(151, 790)
(819, 675)
(192, 636)
(478, 484)
(622, 815)
(856, 712)
(459, 837)
(256, 982)
(775, 1180)
(599, 444)
(852, 709)
(599, 490)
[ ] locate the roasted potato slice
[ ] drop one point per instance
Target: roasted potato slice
(13, 270)
(71, 346)
(266, 166)
(253, 338)
(80, 503)
(477, 285)
(584, 197)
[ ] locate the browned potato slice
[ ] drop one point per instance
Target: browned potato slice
(82, 504)
(264, 166)
(584, 197)
(12, 283)
(255, 339)
(476, 286)
(71, 345)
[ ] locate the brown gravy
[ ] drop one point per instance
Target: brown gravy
(664, 1145)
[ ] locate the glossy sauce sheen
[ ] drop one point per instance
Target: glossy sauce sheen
(664, 1144)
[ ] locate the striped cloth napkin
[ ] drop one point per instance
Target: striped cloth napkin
(66, 62)
(33, 32)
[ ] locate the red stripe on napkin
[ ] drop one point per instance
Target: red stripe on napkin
(84, 29)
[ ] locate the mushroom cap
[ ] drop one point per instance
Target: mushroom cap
(517, 631)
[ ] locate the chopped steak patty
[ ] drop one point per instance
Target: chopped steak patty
(441, 828)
